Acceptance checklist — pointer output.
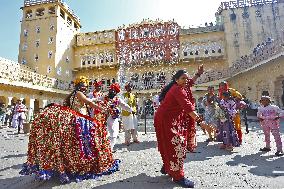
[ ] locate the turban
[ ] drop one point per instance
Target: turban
(115, 87)
(128, 85)
(98, 84)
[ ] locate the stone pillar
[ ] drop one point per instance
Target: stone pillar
(31, 109)
(44, 103)
(10, 100)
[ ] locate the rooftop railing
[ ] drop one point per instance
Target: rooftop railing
(263, 52)
(15, 72)
(243, 3)
(28, 3)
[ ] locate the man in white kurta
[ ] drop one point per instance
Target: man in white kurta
(129, 119)
(20, 115)
(114, 103)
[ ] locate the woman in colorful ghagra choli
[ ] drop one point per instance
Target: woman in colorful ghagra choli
(65, 142)
(225, 114)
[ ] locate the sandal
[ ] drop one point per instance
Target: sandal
(265, 149)
(210, 140)
(163, 171)
(229, 148)
(127, 143)
(185, 183)
(279, 153)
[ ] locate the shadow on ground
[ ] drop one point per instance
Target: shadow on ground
(262, 164)
(137, 147)
(141, 181)
(207, 151)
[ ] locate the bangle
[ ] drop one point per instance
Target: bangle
(198, 74)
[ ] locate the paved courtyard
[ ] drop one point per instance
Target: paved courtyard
(209, 167)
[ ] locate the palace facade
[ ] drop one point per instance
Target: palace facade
(244, 47)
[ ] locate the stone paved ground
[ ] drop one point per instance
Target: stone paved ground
(210, 167)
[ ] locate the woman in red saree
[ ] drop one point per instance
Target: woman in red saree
(171, 124)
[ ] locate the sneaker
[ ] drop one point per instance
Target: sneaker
(265, 149)
(185, 183)
(136, 141)
(279, 153)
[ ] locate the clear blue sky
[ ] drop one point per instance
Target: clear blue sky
(98, 15)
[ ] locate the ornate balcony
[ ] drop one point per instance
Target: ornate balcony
(14, 73)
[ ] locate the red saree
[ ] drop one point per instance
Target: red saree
(170, 122)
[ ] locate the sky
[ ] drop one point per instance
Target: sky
(98, 15)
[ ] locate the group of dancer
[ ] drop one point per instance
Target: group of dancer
(223, 118)
(76, 140)
(175, 117)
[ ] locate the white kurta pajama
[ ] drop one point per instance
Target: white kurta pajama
(113, 124)
(130, 124)
(129, 119)
(19, 116)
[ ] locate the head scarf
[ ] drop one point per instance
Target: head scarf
(225, 89)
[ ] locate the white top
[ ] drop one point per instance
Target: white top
(269, 112)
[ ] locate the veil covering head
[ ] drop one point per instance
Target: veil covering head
(224, 88)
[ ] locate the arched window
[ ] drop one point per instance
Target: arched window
(36, 57)
(148, 78)
(62, 14)
(59, 70)
(48, 69)
(83, 62)
(37, 43)
(49, 55)
(24, 61)
(67, 59)
(161, 79)
(51, 10)
(50, 40)
(25, 32)
(29, 14)
(37, 29)
(69, 21)
(101, 58)
(40, 12)
(24, 47)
